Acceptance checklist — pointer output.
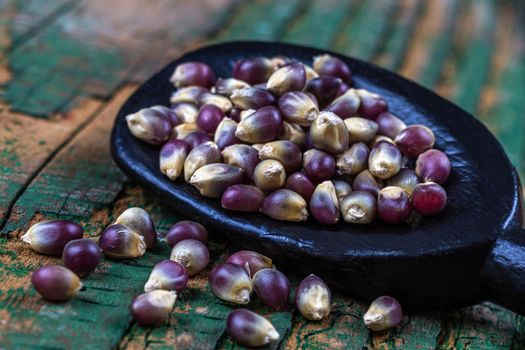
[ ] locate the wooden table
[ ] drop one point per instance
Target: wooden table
(66, 66)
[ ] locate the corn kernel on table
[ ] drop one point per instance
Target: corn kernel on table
(66, 66)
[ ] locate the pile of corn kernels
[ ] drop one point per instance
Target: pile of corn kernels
(294, 141)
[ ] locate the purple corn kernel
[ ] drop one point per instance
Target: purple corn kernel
(189, 94)
(318, 165)
(389, 125)
(324, 88)
(329, 133)
(291, 77)
(225, 87)
(269, 175)
(414, 140)
(360, 129)
(81, 256)
(324, 204)
(253, 70)
(50, 237)
(250, 329)
(353, 160)
(172, 157)
(186, 229)
(264, 125)
(149, 125)
(346, 105)
(333, 66)
(213, 179)
(244, 198)
(192, 254)
(209, 117)
(152, 309)
(203, 154)
(384, 313)
(167, 275)
(56, 283)
(250, 260)
(299, 183)
(313, 298)
(196, 138)
(225, 133)
(285, 205)
(272, 287)
(120, 242)
(429, 198)
(298, 107)
(393, 205)
(359, 207)
(384, 160)
(365, 181)
(243, 156)
(342, 188)
(193, 73)
(286, 152)
(406, 179)
(371, 104)
(252, 98)
(231, 283)
(433, 165)
(138, 220)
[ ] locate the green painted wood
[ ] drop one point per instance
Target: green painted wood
(261, 20)
(343, 329)
(85, 183)
(365, 33)
(33, 16)
(56, 82)
(79, 180)
(511, 115)
(101, 309)
(474, 62)
(52, 53)
(73, 56)
(506, 118)
(462, 329)
(440, 45)
(320, 23)
(394, 49)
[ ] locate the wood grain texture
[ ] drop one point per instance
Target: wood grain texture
(90, 50)
(71, 57)
(321, 23)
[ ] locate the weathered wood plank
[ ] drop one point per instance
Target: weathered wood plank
(344, 328)
(395, 47)
(87, 52)
(27, 144)
(431, 42)
(365, 33)
(79, 179)
(261, 20)
(34, 15)
(467, 70)
(417, 331)
(199, 318)
(320, 23)
(502, 107)
(102, 308)
(484, 326)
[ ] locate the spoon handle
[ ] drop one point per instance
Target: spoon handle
(503, 274)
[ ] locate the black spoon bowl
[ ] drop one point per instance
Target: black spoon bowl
(474, 250)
